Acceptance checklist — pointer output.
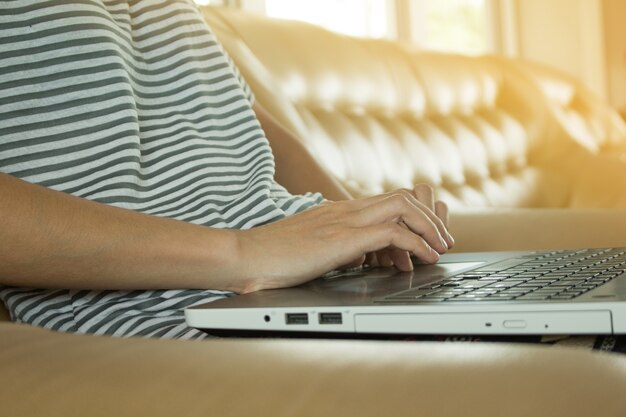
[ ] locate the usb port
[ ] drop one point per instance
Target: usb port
(297, 318)
(330, 318)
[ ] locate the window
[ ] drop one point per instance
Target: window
(456, 26)
(463, 26)
(210, 2)
(369, 18)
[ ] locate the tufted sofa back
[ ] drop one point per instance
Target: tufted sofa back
(379, 115)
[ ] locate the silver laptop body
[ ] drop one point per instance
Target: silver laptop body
(491, 293)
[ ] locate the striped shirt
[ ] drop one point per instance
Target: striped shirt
(132, 104)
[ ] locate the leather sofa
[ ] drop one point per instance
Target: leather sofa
(484, 131)
(525, 157)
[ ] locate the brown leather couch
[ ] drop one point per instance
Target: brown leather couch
(484, 131)
(526, 158)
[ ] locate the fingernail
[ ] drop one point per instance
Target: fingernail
(435, 255)
(443, 243)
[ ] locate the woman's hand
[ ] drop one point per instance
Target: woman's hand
(304, 246)
(402, 259)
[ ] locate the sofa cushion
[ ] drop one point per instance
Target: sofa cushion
(56, 374)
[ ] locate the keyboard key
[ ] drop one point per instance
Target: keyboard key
(562, 297)
(542, 281)
(468, 297)
(470, 276)
(454, 279)
(546, 293)
(501, 284)
(554, 275)
(530, 284)
(560, 284)
(445, 295)
(429, 298)
(490, 278)
(584, 287)
(430, 286)
(516, 291)
(484, 291)
(532, 297)
(574, 293)
(473, 285)
(499, 296)
(573, 281)
(529, 275)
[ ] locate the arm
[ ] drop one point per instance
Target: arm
(58, 240)
(292, 159)
(55, 240)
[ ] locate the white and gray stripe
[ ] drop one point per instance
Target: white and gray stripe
(133, 104)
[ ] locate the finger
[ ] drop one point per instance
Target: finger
(379, 236)
(438, 222)
(397, 208)
(401, 259)
(443, 213)
(441, 210)
(383, 258)
(371, 259)
(357, 262)
(424, 194)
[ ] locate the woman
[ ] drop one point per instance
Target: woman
(138, 181)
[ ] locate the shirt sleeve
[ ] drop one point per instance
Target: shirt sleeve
(244, 85)
(292, 204)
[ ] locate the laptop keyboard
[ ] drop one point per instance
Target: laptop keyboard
(560, 275)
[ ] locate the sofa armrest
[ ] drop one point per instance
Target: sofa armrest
(540, 229)
(53, 374)
(600, 179)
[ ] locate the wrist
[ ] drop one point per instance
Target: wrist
(244, 279)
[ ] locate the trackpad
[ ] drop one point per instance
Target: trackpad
(445, 268)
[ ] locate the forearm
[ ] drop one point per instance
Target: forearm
(296, 169)
(55, 240)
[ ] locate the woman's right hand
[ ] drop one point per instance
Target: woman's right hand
(304, 246)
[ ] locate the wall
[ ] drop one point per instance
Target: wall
(585, 38)
(566, 34)
(615, 37)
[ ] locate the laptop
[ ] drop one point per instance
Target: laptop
(490, 293)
